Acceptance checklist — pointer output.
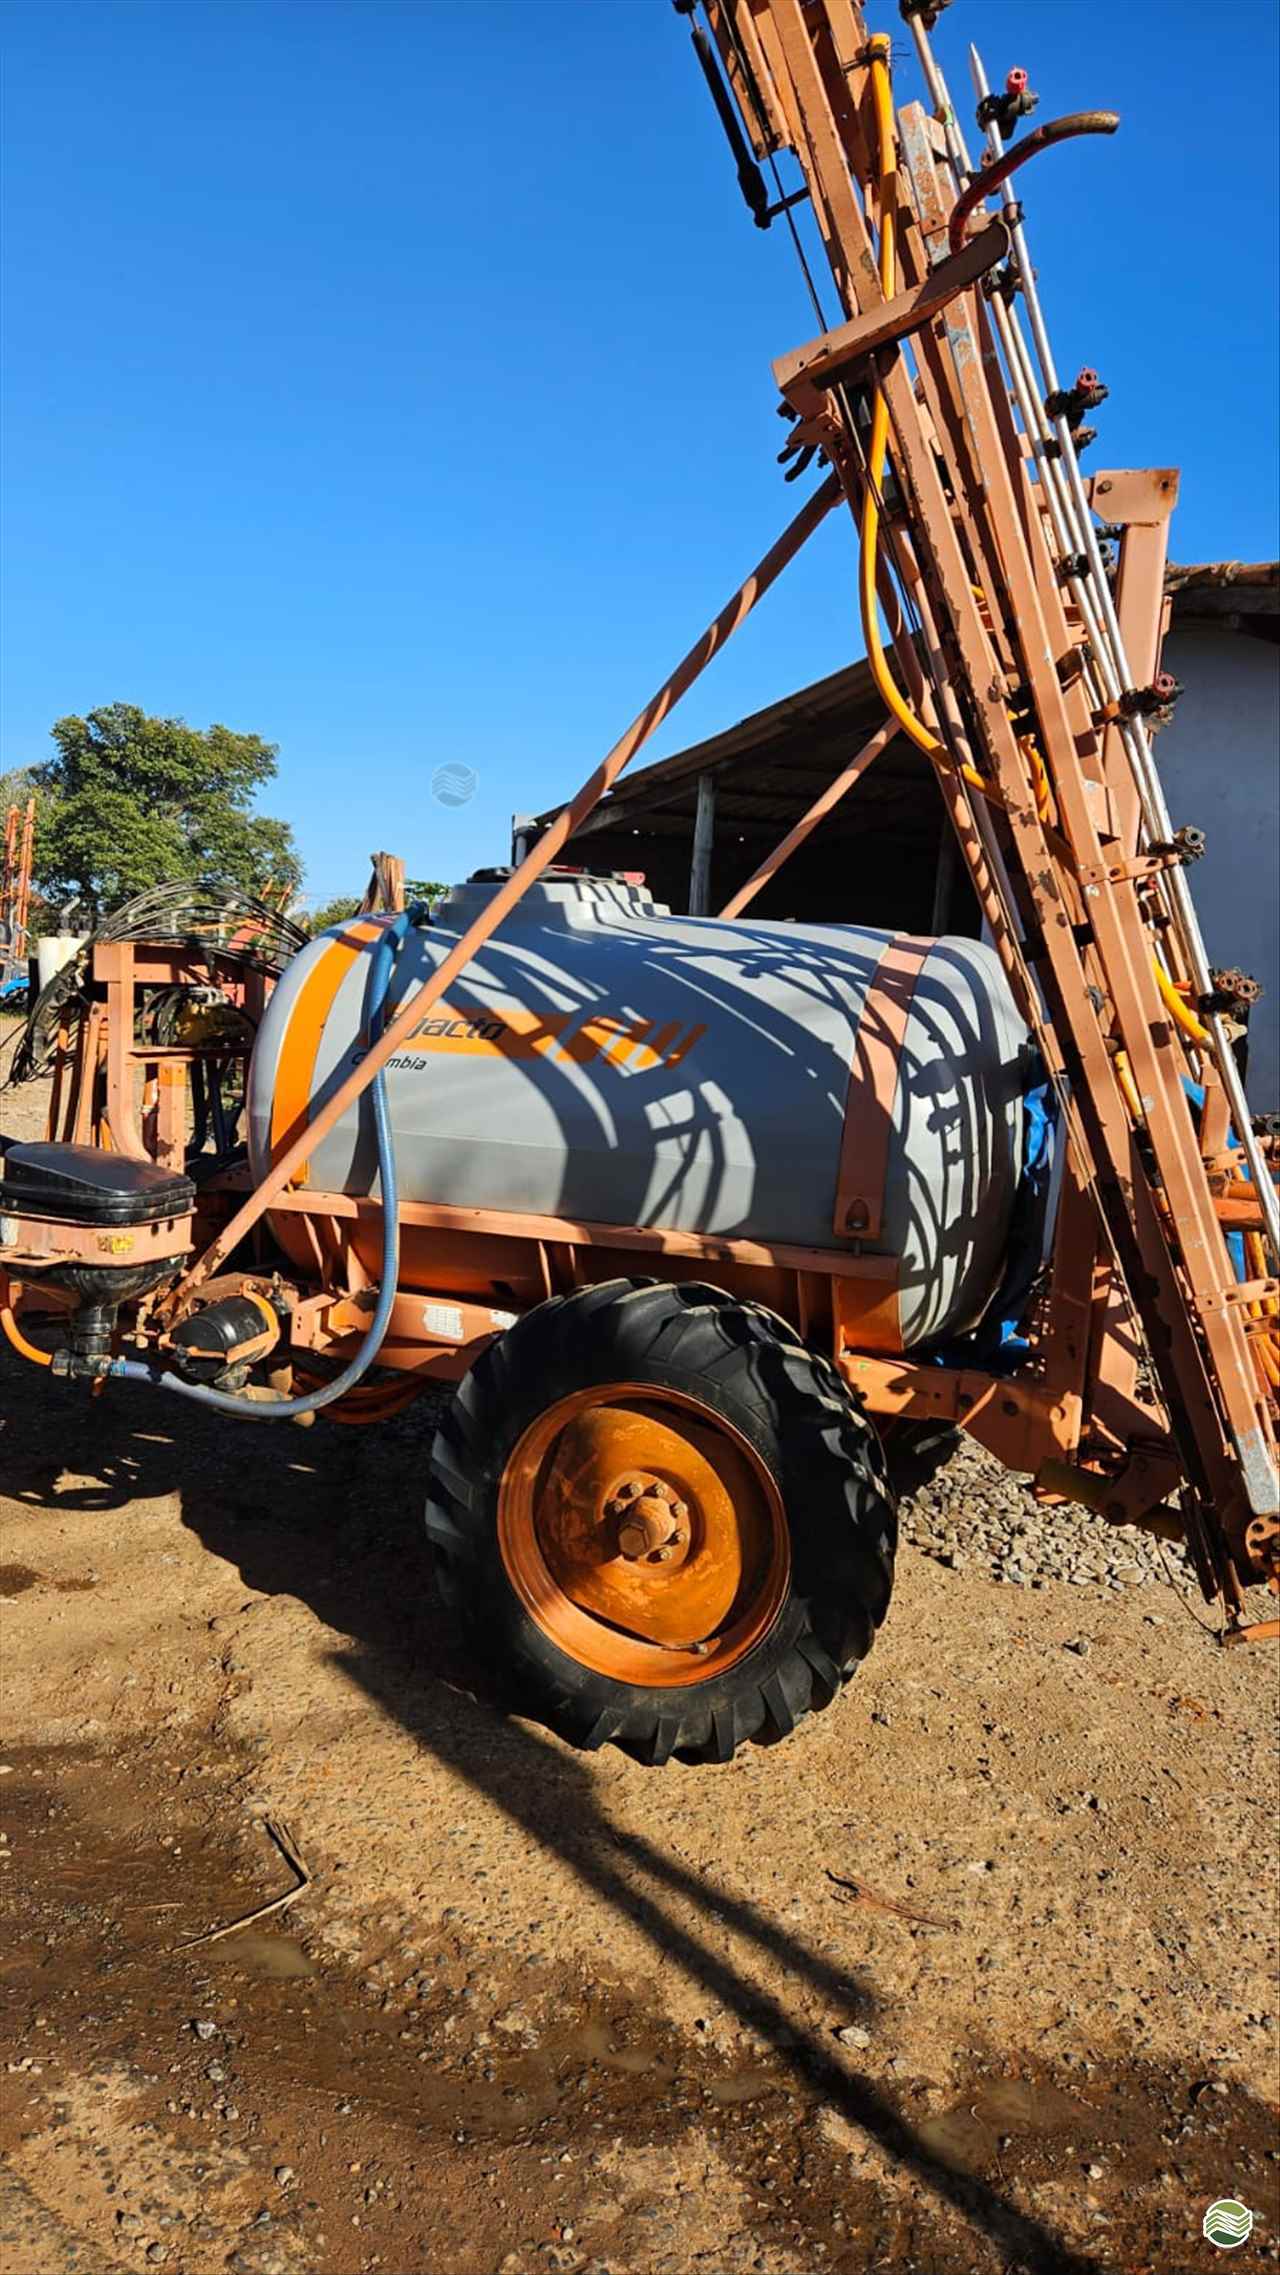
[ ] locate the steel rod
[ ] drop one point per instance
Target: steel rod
(808, 821)
(1133, 733)
(553, 838)
(1109, 648)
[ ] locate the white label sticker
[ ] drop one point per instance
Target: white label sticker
(443, 1319)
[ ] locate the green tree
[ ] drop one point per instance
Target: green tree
(331, 912)
(131, 801)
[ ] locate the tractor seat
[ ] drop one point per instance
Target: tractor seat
(80, 1184)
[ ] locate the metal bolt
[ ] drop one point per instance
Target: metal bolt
(680, 1509)
(661, 1491)
(662, 1556)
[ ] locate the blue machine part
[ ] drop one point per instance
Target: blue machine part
(998, 1343)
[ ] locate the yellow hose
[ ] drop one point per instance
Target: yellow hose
(877, 449)
(1184, 1017)
(878, 444)
(1040, 776)
(1124, 1076)
(1265, 1346)
(1255, 1249)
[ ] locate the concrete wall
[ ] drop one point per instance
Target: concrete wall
(1220, 763)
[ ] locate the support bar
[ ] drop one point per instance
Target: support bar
(557, 833)
(809, 821)
(826, 361)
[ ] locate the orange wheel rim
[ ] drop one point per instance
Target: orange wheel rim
(644, 1535)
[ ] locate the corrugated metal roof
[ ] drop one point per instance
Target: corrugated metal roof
(1217, 576)
(769, 765)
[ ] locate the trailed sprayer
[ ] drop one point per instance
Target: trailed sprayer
(689, 1210)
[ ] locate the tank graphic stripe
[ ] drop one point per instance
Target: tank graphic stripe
(602, 1032)
(653, 1052)
(478, 1031)
(300, 1043)
(620, 1049)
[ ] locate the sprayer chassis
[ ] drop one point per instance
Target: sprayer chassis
(485, 1268)
(1044, 768)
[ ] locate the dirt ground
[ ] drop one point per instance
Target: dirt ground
(975, 1972)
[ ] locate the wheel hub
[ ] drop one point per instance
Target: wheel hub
(643, 1533)
(651, 1522)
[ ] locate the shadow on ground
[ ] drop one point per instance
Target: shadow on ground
(333, 1517)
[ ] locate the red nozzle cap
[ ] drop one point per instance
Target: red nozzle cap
(1016, 82)
(1086, 377)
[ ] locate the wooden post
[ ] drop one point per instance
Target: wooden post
(704, 830)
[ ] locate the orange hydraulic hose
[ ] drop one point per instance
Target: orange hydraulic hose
(13, 1334)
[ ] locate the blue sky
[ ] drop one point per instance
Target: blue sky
(393, 380)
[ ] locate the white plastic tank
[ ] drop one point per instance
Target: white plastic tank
(605, 1061)
(53, 950)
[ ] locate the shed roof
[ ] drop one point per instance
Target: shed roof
(771, 765)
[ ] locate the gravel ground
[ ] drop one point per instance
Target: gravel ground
(976, 1516)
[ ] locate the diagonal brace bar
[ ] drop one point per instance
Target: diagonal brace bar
(809, 820)
(557, 833)
(834, 356)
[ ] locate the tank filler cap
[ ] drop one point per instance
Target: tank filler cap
(566, 901)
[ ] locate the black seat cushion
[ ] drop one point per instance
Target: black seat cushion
(84, 1185)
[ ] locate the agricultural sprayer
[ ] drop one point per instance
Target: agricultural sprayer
(690, 1209)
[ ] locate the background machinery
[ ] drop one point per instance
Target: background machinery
(690, 1209)
(15, 896)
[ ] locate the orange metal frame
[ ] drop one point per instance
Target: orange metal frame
(1150, 1371)
(15, 886)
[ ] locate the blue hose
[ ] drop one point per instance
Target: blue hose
(290, 1409)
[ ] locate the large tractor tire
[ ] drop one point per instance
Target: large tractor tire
(661, 1520)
